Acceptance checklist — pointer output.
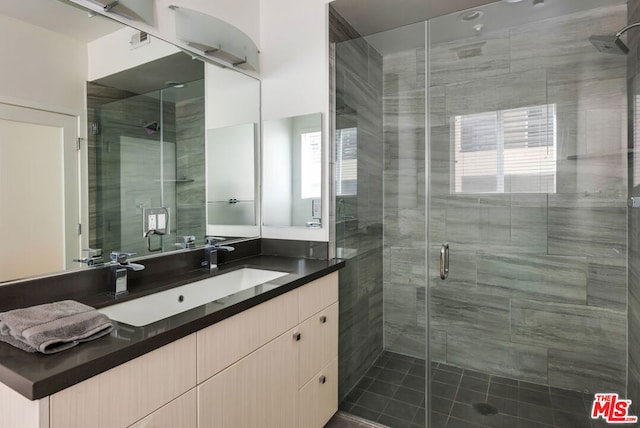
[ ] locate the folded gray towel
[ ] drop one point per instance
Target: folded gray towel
(52, 327)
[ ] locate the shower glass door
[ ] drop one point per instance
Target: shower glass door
(527, 208)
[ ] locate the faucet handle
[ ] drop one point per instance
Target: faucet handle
(93, 252)
(120, 257)
(93, 258)
(212, 240)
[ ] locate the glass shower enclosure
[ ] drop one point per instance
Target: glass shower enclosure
(147, 151)
(492, 142)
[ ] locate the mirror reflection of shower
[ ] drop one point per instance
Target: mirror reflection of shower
(147, 149)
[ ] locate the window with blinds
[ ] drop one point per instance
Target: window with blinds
(507, 151)
(311, 164)
(347, 162)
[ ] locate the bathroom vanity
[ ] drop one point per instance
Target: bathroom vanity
(262, 357)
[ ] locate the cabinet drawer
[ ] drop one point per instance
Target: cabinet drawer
(228, 341)
(317, 295)
(125, 394)
(319, 342)
(181, 412)
(319, 397)
(229, 398)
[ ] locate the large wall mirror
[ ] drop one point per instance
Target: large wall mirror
(159, 136)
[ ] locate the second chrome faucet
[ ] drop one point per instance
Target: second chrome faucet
(211, 248)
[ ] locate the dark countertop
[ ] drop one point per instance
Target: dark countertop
(36, 375)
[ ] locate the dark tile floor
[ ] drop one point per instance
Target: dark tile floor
(392, 394)
(342, 420)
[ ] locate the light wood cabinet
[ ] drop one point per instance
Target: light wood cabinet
(129, 392)
(271, 366)
(226, 342)
(259, 391)
(227, 399)
(319, 343)
(319, 397)
(20, 412)
(277, 382)
(181, 412)
(291, 381)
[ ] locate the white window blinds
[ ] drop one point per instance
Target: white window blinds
(347, 161)
(507, 151)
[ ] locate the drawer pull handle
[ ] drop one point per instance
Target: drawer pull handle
(297, 337)
(323, 319)
(323, 379)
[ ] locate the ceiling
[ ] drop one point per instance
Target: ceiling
(390, 28)
(373, 16)
(60, 17)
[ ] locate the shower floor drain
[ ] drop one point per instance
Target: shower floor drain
(485, 409)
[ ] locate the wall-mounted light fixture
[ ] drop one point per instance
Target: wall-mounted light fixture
(135, 10)
(216, 38)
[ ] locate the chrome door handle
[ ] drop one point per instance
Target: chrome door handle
(444, 261)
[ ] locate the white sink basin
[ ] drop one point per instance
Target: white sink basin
(154, 307)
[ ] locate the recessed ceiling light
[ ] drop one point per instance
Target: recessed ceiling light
(174, 84)
(471, 15)
(512, 1)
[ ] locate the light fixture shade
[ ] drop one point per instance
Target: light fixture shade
(135, 10)
(216, 38)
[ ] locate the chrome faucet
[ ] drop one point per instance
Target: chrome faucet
(211, 249)
(93, 258)
(118, 275)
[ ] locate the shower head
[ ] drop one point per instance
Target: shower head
(151, 127)
(609, 44)
(612, 44)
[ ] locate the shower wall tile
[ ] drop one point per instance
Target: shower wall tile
(473, 350)
(470, 59)
(404, 202)
(589, 369)
(607, 283)
(494, 224)
(437, 106)
(529, 229)
(528, 88)
(353, 58)
(566, 326)
(190, 167)
(580, 231)
(438, 345)
(405, 190)
(404, 228)
(404, 318)
(562, 43)
(532, 276)
(400, 71)
(466, 309)
(359, 218)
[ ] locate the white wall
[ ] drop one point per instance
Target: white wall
(112, 53)
(294, 57)
(294, 70)
(42, 68)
